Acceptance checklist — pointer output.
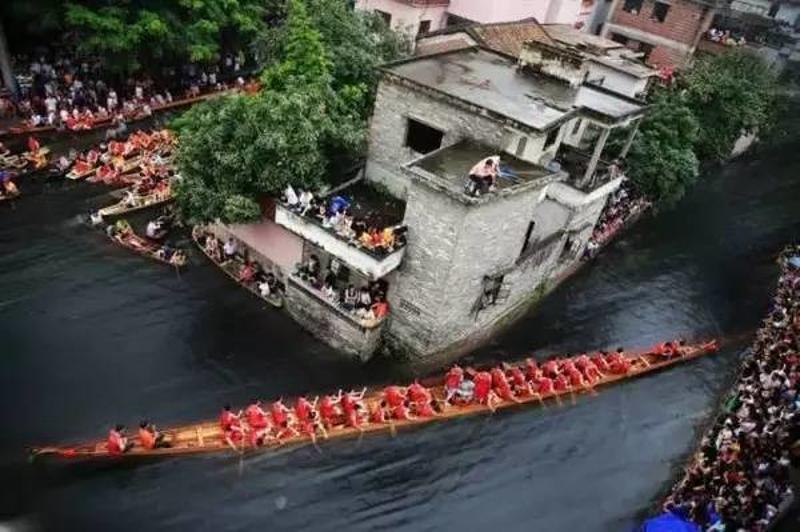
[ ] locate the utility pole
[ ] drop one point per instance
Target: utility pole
(6, 71)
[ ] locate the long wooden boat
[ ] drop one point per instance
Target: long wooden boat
(231, 268)
(107, 121)
(207, 437)
(142, 202)
(142, 246)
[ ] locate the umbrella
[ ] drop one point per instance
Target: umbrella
(668, 522)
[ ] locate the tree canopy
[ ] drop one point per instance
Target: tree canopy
(128, 34)
(729, 94)
(234, 150)
(661, 160)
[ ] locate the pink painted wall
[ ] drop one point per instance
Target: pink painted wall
(277, 244)
(407, 17)
(490, 11)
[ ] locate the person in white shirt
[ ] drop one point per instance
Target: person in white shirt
(229, 249)
(51, 104)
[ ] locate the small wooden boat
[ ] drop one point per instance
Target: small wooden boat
(138, 203)
(207, 437)
(130, 240)
(231, 268)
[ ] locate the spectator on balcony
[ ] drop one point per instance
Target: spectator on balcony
(349, 297)
(364, 300)
(483, 176)
(310, 271)
(306, 202)
(291, 198)
(380, 309)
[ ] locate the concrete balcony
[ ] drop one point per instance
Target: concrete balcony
(370, 263)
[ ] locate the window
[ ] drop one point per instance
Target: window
(551, 138)
(424, 27)
(422, 138)
(492, 291)
(616, 37)
(577, 126)
(527, 241)
(387, 17)
(633, 6)
(660, 11)
(521, 145)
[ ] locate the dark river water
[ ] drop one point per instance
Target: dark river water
(93, 335)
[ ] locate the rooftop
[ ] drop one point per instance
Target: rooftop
(491, 81)
(451, 165)
(608, 104)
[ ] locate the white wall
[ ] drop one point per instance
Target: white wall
(789, 13)
(406, 18)
(616, 80)
(490, 11)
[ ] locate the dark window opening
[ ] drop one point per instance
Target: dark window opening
(577, 126)
(660, 11)
(492, 291)
(521, 145)
(633, 6)
(424, 27)
(551, 138)
(387, 17)
(422, 138)
(646, 49)
(527, 242)
(616, 37)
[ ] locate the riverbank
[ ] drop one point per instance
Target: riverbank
(741, 475)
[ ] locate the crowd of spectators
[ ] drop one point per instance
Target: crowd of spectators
(366, 303)
(725, 37)
(334, 214)
(63, 91)
(625, 203)
(739, 479)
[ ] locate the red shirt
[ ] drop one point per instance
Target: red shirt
(394, 396)
(279, 415)
(483, 384)
(348, 405)
(560, 383)
(353, 419)
(545, 385)
(424, 409)
(227, 419)
(418, 393)
(327, 410)
(400, 412)
(454, 378)
(255, 417)
(302, 409)
(115, 444)
(377, 415)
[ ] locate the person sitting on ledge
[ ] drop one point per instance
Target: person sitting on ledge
(229, 249)
(291, 197)
(306, 202)
(483, 176)
(309, 271)
(349, 297)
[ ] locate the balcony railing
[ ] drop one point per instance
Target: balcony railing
(334, 306)
(374, 264)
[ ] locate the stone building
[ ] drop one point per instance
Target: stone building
(665, 32)
(468, 264)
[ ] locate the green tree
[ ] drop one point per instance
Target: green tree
(661, 161)
(233, 151)
(730, 94)
(131, 34)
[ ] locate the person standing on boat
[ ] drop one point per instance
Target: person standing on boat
(117, 441)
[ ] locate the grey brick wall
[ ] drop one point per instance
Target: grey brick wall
(394, 104)
(329, 325)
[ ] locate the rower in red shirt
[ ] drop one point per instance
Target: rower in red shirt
(501, 386)
(452, 381)
(401, 412)
(424, 409)
(227, 418)
(519, 382)
(483, 388)
(117, 441)
(600, 361)
(378, 413)
(394, 396)
(280, 414)
(417, 393)
(591, 373)
(532, 371)
(328, 411)
(550, 368)
(575, 378)
(560, 383)
(255, 416)
(351, 403)
(303, 409)
(545, 386)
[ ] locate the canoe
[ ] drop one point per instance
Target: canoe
(145, 247)
(231, 268)
(207, 437)
(142, 202)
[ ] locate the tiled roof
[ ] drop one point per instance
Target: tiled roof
(508, 37)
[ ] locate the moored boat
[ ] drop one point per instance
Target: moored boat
(208, 436)
(123, 235)
(231, 268)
